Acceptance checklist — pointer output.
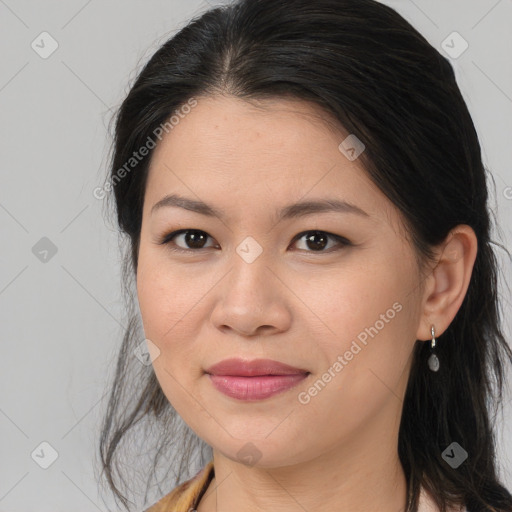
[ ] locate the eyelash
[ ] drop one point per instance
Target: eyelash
(166, 240)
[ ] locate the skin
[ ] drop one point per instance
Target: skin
(294, 303)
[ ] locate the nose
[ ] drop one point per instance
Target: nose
(251, 300)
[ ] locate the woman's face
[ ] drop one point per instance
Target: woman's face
(244, 285)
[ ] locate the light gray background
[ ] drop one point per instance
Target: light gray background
(61, 319)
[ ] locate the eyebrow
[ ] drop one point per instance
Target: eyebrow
(295, 210)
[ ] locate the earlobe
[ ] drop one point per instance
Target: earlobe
(448, 281)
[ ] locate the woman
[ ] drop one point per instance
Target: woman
(303, 192)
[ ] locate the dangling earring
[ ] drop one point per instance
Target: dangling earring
(433, 360)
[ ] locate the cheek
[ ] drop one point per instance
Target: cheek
(368, 318)
(164, 302)
(168, 296)
(169, 308)
(346, 301)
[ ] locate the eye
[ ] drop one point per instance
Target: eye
(194, 239)
(319, 240)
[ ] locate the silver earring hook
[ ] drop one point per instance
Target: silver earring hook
(433, 360)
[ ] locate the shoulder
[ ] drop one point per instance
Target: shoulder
(186, 495)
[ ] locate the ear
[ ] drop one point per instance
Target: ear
(447, 283)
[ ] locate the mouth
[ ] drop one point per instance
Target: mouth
(257, 387)
(256, 379)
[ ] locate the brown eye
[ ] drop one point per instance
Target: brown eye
(192, 239)
(317, 241)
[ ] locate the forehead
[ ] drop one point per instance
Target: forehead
(220, 132)
(231, 149)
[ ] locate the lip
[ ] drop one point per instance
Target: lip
(254, 380)
(255, 388)
(237, 367)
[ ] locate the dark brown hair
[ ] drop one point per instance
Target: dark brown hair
(378, 76)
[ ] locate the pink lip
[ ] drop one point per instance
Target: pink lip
(242, 368)
(254, 380)
(255, 388)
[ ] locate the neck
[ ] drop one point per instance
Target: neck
(367, 476)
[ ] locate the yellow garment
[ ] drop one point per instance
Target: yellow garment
(186, 497)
